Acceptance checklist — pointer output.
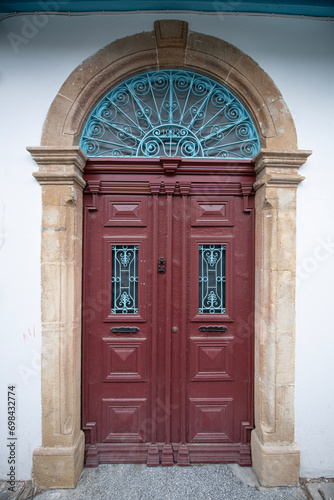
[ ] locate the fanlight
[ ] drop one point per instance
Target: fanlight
(170, 113)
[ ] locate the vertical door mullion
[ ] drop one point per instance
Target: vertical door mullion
(153, 455)
(183, 456)
(167, 454)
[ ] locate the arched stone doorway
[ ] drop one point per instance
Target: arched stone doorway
(275, 456)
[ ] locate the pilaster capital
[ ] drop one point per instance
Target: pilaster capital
(59, 165)
(279, 168)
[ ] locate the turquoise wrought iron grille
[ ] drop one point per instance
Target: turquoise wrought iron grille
(124, 279)
(170, 113)
(212, 279)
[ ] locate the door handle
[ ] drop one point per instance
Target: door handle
(213, 328)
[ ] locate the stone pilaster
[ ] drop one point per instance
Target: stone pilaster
(275, 456)
(59, 462)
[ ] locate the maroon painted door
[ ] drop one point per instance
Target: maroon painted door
(168, 311)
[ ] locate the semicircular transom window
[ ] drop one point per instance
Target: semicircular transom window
(170, 113)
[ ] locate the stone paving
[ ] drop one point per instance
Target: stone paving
(321, 489)
(198, 482)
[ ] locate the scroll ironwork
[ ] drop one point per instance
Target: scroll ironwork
(212, 279)
(170, 113)
(124, 279)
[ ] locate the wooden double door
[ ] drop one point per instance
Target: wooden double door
(168, 312)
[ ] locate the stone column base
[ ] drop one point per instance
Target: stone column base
(59, 467)
(275, 464)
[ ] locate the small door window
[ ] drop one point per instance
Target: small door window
(124, 279)
(212, 279)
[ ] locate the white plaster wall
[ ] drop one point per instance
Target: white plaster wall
(35, 61)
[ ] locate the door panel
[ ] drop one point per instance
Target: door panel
(124, 360)
(125, 211)
(167, 321)
(211, 359)
(221, 298)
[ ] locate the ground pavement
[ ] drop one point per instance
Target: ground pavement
(197, 482)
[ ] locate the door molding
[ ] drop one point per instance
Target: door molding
(59, 461)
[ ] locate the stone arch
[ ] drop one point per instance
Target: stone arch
(59, 461)
(149, 51)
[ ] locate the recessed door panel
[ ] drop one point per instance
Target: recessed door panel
(211, 359)
(121, 212)
(124, 359)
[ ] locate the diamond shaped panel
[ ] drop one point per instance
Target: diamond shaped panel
(124, 360)
(211, 420)
(123, 420)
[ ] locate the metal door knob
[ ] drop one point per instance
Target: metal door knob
(175, 329)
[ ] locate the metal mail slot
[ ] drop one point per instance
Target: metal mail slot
(124, 329)
(213, 328)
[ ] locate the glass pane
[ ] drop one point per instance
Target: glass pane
(124, 279)
(212, 279)
(170, 113)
